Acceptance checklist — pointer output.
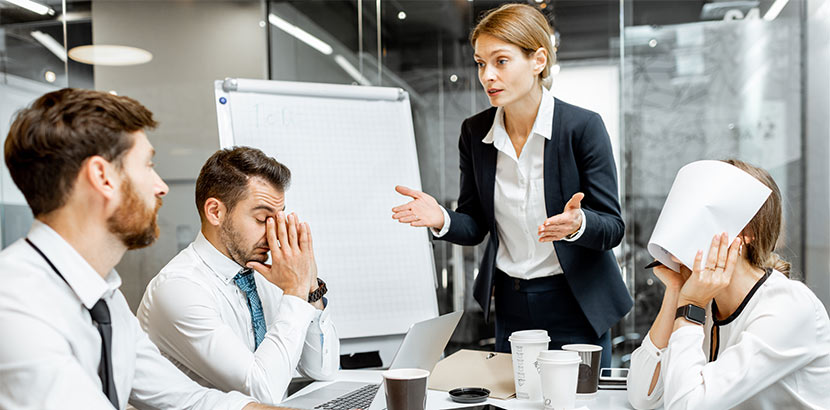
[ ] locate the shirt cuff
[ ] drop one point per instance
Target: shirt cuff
(650, 348)
(297, 308)
(580, 231)
(446, 226)
(237, 400)
(322, 316)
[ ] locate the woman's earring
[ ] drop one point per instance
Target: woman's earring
(741, 248)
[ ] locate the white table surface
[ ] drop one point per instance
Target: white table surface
(604, 399)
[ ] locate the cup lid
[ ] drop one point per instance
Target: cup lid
(558, 356)
(405, 374)
(535, 335)
(582, 348)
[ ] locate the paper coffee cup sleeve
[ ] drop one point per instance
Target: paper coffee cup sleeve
(706, 198)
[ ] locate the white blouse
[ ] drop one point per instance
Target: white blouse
(773, 353)
(519, 198)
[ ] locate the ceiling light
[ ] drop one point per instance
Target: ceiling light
(50, 43)
(350, 70)
(110, 55)
(401, 15)
(50, 76)
(300, 34)
(652, 43)
(33, 7)
(775, 9)
(453, 78)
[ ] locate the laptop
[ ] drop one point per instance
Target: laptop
(421, 348)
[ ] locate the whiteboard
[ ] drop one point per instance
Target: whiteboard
(347, 147)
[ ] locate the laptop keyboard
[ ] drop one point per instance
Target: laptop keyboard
(358, 399)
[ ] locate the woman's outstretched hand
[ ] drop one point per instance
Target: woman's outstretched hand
(422, 210)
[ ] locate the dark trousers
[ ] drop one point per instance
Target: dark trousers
(543, 303)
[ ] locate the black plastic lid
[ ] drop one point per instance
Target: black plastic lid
(469, 394)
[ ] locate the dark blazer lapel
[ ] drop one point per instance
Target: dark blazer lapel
(487, 178)
(554, 202)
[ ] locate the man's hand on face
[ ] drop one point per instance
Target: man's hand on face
(292, 266)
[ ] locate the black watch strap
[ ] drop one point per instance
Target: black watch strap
(692, 313)
(319, 292)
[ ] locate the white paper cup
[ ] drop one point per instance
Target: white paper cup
(525, 346)
(558, 370)
(588, 380)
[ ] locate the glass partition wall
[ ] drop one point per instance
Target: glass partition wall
(725, 82)
(674, 82)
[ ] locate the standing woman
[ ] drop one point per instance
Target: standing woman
(538, 175)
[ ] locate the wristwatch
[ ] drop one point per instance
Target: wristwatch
(692, 313)
(319, 292)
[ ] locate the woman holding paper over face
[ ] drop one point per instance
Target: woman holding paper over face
(538, 175)
(735, 331)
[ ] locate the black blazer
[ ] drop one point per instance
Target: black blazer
(578, 158)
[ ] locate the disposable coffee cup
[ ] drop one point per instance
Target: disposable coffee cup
(558, 370)
(525, 346)
(589, 356)
(406, 389)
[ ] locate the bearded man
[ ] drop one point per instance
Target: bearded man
(84, 164)
(218, 311)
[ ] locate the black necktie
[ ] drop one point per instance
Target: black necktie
(101, 315)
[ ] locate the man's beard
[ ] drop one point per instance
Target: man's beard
(233, 243)
(133, 223)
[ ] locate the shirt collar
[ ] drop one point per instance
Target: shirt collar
(542, 125)
(87, 284)
(224, 267)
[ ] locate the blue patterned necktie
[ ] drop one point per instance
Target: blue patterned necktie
(245, 280)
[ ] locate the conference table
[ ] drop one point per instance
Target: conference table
(604, 399)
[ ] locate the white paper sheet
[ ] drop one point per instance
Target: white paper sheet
(706, 198)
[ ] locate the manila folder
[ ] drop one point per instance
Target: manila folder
(472, 368)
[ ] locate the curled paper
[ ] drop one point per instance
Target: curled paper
(706, 198)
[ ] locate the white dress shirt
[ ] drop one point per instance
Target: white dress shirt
(199, 318)
(773, 354)
(50, 348)
(519, 198)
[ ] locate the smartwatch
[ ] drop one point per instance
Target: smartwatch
(319, 292)
(692, 313)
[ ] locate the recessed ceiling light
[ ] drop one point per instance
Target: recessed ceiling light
(401, 15)
(110, 55)
(453, 78)
(555, 69)
(50, 76)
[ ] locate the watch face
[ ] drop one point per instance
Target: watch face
(696, 314)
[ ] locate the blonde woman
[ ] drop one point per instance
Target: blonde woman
(538, 175)
(764, 341)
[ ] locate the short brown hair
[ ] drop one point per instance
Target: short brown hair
(521, 25)
(765, 227)
(50, 140)
(226, 173)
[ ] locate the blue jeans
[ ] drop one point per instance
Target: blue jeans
(544, 303)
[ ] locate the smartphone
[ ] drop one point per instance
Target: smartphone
(613, 374)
